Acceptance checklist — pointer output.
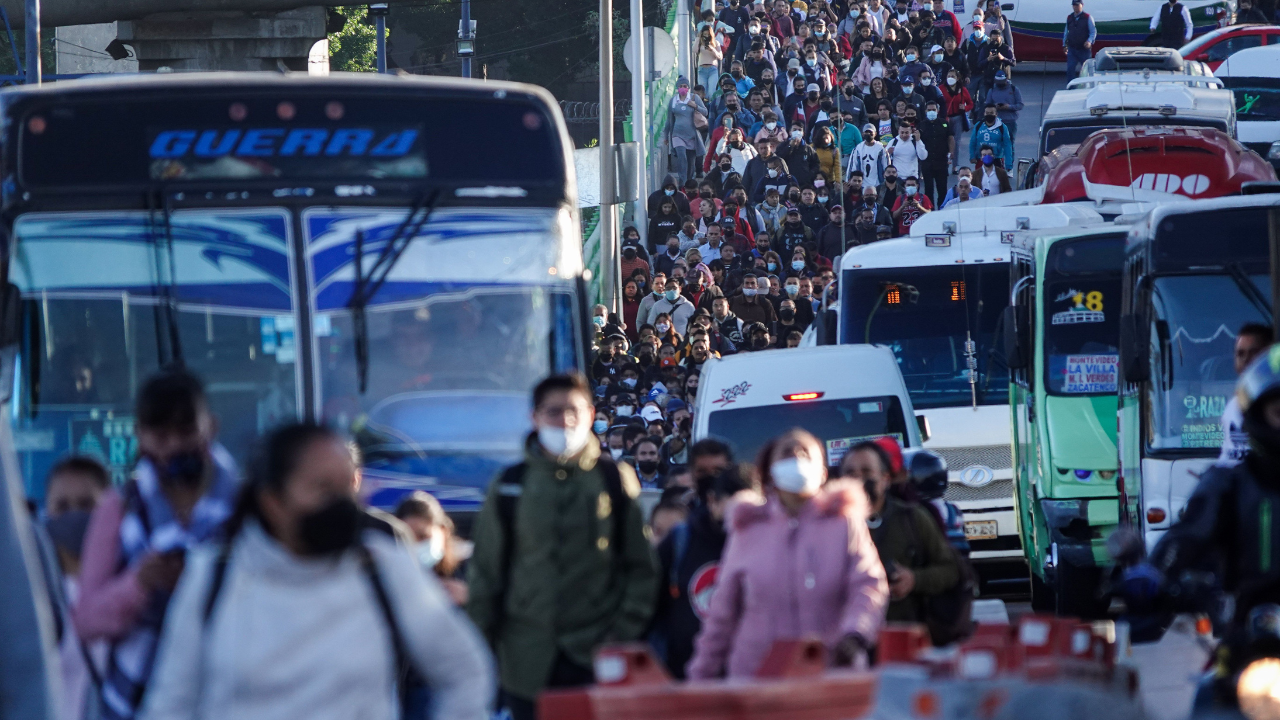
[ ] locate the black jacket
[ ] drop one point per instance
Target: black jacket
(1234, 514)
(801, 160)
(684, 594)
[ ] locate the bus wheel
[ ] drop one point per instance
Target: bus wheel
(1042, 599)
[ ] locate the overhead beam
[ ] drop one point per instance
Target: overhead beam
(58, 13)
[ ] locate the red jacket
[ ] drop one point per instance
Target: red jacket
(959, 102)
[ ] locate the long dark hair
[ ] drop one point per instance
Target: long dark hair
(277, 456)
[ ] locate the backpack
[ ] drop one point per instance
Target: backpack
(949, 614)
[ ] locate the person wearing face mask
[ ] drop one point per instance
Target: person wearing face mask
(957, 103)
(802, 563)
(906, 152)
(601, 581)
(1008, 101)
(915, 554)
(138, 536)
(689, 557)
(801, 161)
(792, 234)
(848, 103)
(646, 459)
(964, 189)
(632, 258)
(670, 190)
(911, 68)
(991, 177)
(940, 141)
(675, 305)
(993, 134)
(341, 613)
(776, 178)
(666, 261)
(995, 56)
(869, 158)
(708, 57)
(688, 116)
(436, 546)
(910, 206)
(752, 306)
(72, 490)
(658, 287)
(786, 323)
(813, 212)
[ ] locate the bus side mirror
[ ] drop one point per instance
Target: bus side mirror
(1135, 348)
(922, 422)
(1015, 337)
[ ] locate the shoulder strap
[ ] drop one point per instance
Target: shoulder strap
(218, 579)
(679, 548)
(403, 668)
(133, 502)
(510, 489)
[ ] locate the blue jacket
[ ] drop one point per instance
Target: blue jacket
(997, 136)
(1010, 96)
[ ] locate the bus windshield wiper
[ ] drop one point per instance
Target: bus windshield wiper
(168, 310)
(366, 286)
(1250, 290)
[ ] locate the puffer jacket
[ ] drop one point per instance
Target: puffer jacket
(817, 574)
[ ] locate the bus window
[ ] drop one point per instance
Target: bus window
(925, 314)
(1192, 371)
(1082, 316)
(1257, 104)
(96, 329)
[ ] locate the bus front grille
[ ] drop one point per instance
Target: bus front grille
(996, 457)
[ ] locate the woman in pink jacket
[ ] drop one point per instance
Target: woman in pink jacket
(800, 565)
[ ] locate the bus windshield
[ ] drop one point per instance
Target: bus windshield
(1082, 316)
(839, 424)
(925, 315)
(1076, 134)
(213, 283)
(1192, 371)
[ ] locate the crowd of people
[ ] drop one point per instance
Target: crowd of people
(862, 106)
(201, 589)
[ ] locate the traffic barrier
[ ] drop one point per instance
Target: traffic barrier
(1042, 666)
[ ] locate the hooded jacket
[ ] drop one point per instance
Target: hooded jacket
(997, 136)
(686, 589)
(781, 577)
(909, 537)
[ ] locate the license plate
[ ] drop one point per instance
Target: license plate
(980, 530)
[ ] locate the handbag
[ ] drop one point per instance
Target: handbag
(699, 120)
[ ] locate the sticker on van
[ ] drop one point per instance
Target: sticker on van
(730, 394)
(837, 448)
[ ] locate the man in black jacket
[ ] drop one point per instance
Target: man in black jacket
(935, 130)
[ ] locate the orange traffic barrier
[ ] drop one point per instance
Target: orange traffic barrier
(793, 683)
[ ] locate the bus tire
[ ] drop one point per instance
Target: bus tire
(1042, 597)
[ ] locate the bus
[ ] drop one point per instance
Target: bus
(1062, 336)
(213, 221)
(1194, 273)
(936, 298)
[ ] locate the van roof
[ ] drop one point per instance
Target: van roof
(1261, 61)
(1140, 99)
(769, 375)
(977, 238)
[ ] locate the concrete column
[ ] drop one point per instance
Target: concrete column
(225, 40)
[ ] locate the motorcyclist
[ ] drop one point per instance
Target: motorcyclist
(1231, 520)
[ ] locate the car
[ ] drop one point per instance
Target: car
(1253, 77)
(1214, 47)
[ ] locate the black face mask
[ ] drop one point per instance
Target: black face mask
(67, 530)
(648, 467)
(331, 529)
(891, 180)
(873, 490)
(726, 166)
(183, 470)
(706, 194)
(737, 74)
(787, 314)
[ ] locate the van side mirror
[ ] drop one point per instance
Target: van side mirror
(922, 422)
(1015, 338)
(1135, 348)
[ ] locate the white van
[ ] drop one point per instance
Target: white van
(1253, 77)
(843, 394)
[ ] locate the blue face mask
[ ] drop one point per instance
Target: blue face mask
(672, 295)
(600, 426)
(797, 265)
(988, 159)
(773, 267)
(911, 57)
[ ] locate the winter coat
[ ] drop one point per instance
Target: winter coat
(685, 590)
(753, 309)
(567, 590)
(827, 160)
(908, 537)
(294, 637)
(997, 136)
(680, 311)
(781, 577)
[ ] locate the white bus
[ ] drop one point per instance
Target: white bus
(935, 298)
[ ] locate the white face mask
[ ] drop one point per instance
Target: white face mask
(799, 476)
(431, 551)
(615, 453)
(564, 442)
(796, 134)
(926, 81)
(773, 173)
(951, 81)
(771, 125)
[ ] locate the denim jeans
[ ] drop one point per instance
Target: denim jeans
(1076, 58)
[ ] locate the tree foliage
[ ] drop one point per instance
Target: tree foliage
(354, 47)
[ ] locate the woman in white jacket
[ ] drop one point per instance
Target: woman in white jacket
(295, 628)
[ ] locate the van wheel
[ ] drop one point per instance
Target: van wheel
(1042, 598)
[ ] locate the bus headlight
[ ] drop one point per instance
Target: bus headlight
(1083, 475)
(1258, 690)
(1274, 152)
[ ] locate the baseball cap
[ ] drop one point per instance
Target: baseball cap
(869, 126)
(812, 87)
(651, 413)
(1002, 75)
(675, 404)
(935, 48)
(726, 221)
(793, 64)
(793, 211)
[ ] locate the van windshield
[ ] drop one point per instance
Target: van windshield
(839, 424)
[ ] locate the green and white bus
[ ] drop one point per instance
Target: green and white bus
(1062, 342)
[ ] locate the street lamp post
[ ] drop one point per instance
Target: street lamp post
(379, 11)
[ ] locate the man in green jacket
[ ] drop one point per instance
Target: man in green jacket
(917, 559)
(575, 578)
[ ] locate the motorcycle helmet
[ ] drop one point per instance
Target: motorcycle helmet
(1258, 385)
(927, 472)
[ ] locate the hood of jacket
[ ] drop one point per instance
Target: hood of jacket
(837, 497)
